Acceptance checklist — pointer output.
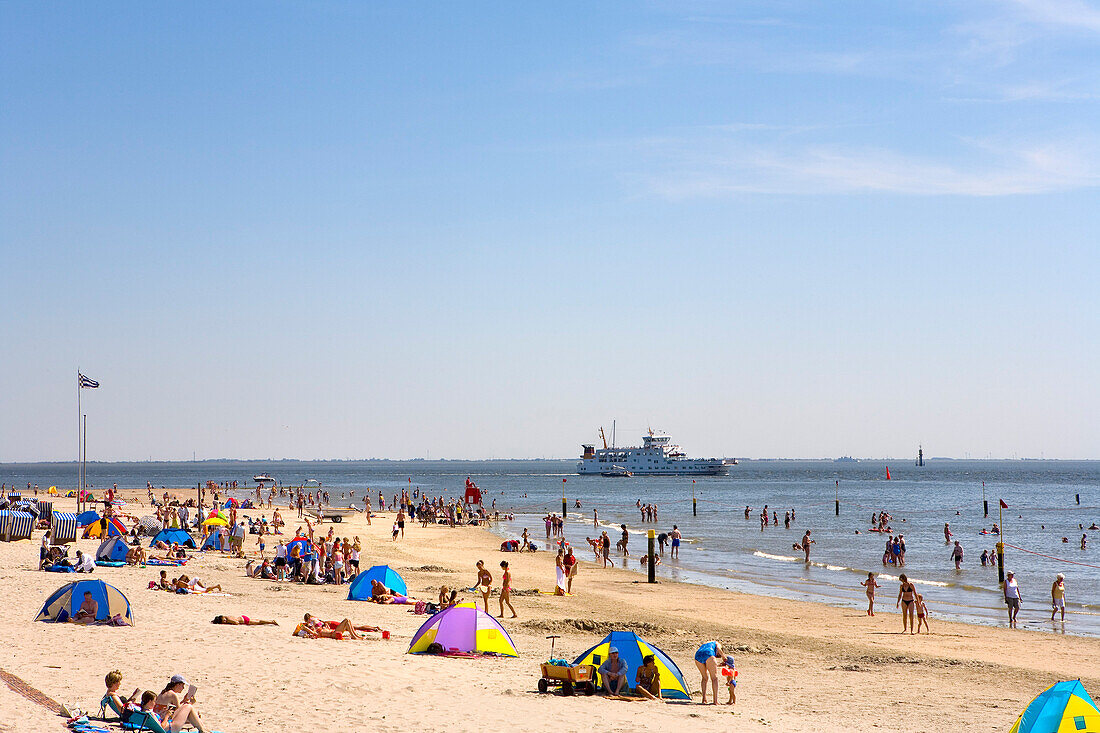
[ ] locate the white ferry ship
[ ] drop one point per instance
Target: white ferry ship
(657, 456)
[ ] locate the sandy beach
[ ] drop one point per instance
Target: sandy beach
(803, 666)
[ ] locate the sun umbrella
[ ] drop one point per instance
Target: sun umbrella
(216, 521)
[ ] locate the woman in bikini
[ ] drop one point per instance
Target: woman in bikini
(242, 621)
(506, 589)
(907, 594)
(484, 583)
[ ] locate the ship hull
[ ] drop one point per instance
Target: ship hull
(701, 469)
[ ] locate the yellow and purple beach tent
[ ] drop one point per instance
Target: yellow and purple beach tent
(1063, 708)
(463, 628)
(632, 649)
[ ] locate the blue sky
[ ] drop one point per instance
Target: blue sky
(483, 230)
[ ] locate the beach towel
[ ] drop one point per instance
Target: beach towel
(60, 569)
(109, 563)
(561, 579)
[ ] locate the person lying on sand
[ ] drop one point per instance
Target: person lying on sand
(317, 629)
(381, 594)
(313, 621)
(194, 585)
(242, 621)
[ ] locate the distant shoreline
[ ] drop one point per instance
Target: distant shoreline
(250, 461)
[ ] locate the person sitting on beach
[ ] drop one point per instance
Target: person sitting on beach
(645, 560)
(113, 680)
(242, 621)
(136, 555)
(647, 680)
(173, 709)
(162, 583)
(613, 673)
(84, 563)
(88, 610)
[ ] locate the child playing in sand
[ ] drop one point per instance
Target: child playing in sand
(870, 585)
(922, 615)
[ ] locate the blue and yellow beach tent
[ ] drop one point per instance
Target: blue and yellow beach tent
(360, 588)
(632, 648)
(113, 549)
(63, 604)
(1063, 708)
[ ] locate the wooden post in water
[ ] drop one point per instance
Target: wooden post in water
(1000, 543)
(838, 497)
(652, 563)
(985, 504)
(563, 498)
(694, 505)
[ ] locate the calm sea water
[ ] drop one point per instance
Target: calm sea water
(723, 549)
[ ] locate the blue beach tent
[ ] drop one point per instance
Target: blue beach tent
(63, 604)
(359, 590)
(215, 541)
(1063, 708)
(632, 648)
(302, 543)
(113, 549)
(168, 536)
(87, 517)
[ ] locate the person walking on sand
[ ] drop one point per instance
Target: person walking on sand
(922, 615)
(506, 589)
(1013, 599)
(1058, 597)
(806, 542)
(957, 554)
(560, 572)
(907, 595)
(605, 549)
(484, 583)
(676, 537)
(569, 562)
(707, 660)
(870, 585)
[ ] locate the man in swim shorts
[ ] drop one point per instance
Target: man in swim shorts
(676, 537)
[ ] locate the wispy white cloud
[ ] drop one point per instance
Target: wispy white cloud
(1069, 13)
(822, 169)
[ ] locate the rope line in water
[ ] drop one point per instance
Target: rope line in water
(1051, 557)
